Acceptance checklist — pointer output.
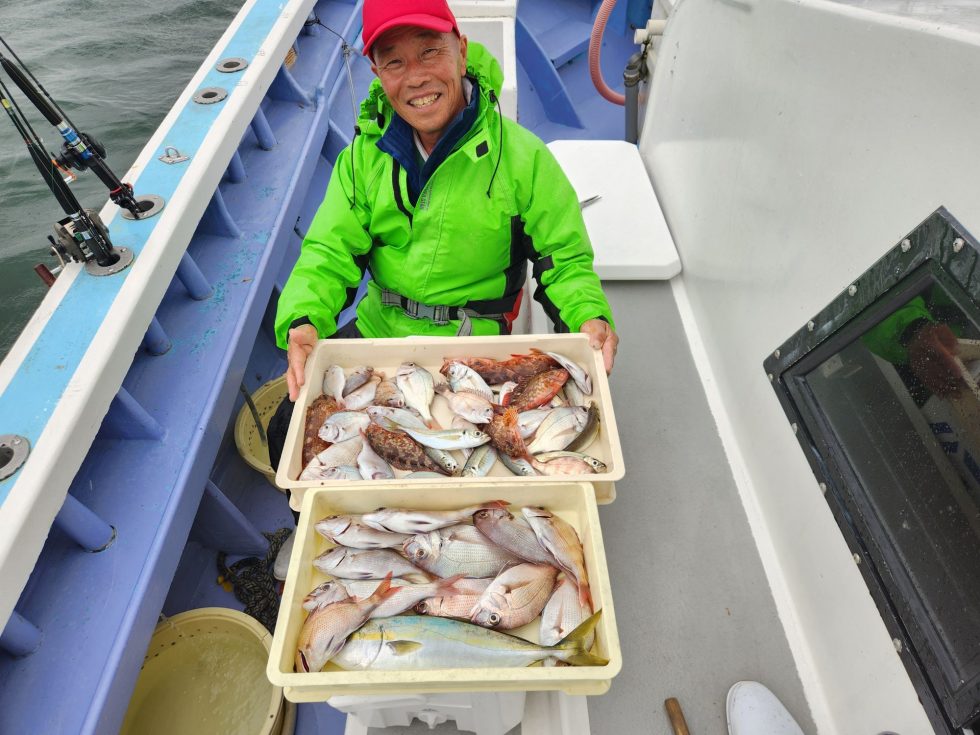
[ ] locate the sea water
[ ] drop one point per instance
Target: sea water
(115, 67)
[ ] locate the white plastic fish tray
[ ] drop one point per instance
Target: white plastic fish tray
(572, 501)
(386, 355)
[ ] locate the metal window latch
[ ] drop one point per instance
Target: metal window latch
(172, 155)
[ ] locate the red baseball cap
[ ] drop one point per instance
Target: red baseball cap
(380, 15)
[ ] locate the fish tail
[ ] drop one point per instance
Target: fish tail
(383, 590)
(571, 649)
(448, 585)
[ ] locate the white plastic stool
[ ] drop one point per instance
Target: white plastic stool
(754, 710)
(489, 713)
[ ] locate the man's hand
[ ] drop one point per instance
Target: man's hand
(602, 337)
(932, 357)
(300, 344)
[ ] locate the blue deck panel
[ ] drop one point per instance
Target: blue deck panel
(98, 611)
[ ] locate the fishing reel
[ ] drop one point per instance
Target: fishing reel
(71, 158)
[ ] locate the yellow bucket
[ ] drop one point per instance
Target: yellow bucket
(250, 446)
(204, 674)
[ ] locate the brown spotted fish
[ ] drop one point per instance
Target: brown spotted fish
(538, 389)
(505, 434)
(316, 415)
(400, 450)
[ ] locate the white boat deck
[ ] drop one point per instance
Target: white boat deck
(693, 605)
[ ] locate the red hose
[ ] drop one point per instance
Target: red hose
(595, 48)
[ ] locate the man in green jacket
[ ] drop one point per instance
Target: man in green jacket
(444, 201)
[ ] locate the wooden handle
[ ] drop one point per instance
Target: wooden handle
(676, 715)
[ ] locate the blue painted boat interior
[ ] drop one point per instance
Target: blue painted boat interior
(147, 478)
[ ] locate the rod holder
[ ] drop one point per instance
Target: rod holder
(127, 419)
(218, 220)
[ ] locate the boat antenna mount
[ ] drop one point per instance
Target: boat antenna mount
(82, 236)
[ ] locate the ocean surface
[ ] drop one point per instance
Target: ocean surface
(115, 67)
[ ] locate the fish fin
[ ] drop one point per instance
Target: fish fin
(403, 648)
(586, 659)
(384, 589)
(496, 504)
(448, 585)
(571, 648)
(585, 594)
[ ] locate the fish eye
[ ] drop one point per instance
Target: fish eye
(422, 608)
(419, 553)
(494, 618)
(482, 513)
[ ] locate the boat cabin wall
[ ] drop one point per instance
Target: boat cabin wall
(791, 143)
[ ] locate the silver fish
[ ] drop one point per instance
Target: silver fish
(329, 593)
(371, 465)
(582, 380)
(559, 429)
(363, 396)
(515, 597)
(589, 433)
(459, 549)
(383, 416)
(459, 422)
(462, 377)
(517, 466)
(370, 564)
(341, 454)
(480, 462)
(563, 614)
(333, 383)
(442, 458)
(471, 406)
(422, 521)
(573, 395)
(326, 629)
(357, 378)
(562, 542)
(416, 385)
(424, 475)
(447, 438)
(349, 531)
(342, 472)
(513, 533)
(529, 421)
(547, 458)
(343, 425)
(413, 642)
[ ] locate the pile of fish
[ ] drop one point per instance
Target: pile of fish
(532, 412)
(467, 574)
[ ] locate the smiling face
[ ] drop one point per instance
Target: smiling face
(421, 72)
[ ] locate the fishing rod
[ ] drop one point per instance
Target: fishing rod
(82, 236)
(88, 239)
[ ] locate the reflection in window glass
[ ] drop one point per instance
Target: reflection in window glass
(907, 420)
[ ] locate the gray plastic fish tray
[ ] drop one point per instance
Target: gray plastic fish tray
(572, 501)
(385, 355)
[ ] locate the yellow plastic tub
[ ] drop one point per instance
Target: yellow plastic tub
(256, 454)
(386, 355)
(204, 675)
(572, 501)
